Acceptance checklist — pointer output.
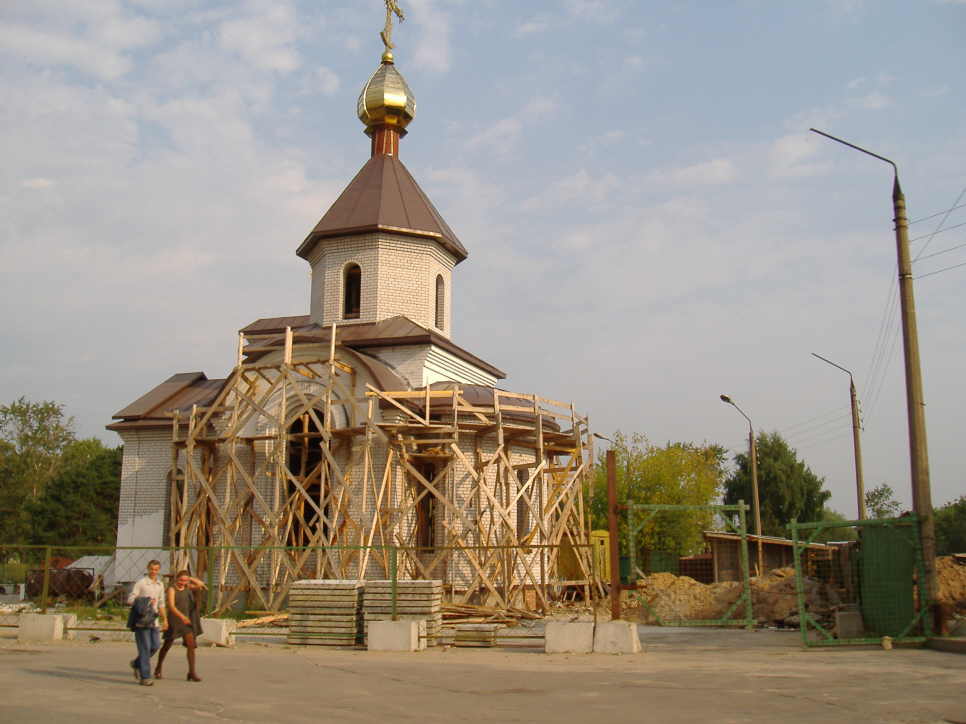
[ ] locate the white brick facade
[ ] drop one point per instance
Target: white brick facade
(398, 277)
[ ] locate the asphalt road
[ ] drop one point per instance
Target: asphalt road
(684, 676)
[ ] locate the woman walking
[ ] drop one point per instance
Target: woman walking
(183, 620)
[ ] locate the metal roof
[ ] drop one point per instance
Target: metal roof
(384, 196)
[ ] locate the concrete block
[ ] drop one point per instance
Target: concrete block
(396, 635)
(616, 637)
(849, 625)
(40, 628)
(218, 631)
(569, 638)
(70, 621)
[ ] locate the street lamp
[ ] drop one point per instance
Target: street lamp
(753, 454)
(615, 563)
(915, 404)
(856, 446)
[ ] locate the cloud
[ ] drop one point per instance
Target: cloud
(432, 45)
(791, 156)
(715, 171)
(328, 81)
(503, 136)
(532, 26)
(874, 101)
(264, 35)
(581, 187)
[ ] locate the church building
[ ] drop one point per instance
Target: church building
(360, 438)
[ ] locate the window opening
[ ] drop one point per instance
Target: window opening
(352, 292)
(305, 465)
(523, 510)
(426, 510)
(440, 302)
(178, 475)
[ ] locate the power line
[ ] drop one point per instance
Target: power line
(938, 213)
(940, 271)
(937, 231)
(942, 223)
(835, 411)
(937, 253)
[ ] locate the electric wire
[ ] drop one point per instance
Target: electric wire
(938, 213)
(940, 271)
(934, 233)
(944, 251)
(942, 223)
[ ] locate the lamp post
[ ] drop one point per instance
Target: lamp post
(753, 454)
(915, 405)
(615, 563)
(856, 445)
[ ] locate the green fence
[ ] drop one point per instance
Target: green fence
(676, 602)
(865, 589)
(93, 580)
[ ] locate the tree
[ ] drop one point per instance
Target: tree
(38, 432)
(678, 473)
(880, 502)
(787, 489)
(838, 533)
(79, 506)
(951, 527)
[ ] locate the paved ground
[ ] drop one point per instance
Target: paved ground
(685, 676)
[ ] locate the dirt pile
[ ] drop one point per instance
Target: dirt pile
(671, 598)
(951, 580)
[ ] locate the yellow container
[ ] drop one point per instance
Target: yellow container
(600, 540)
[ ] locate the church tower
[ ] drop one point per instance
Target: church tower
(383, 250)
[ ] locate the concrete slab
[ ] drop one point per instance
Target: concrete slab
(569, 637)
(396, 636)
(70, 620)
(218, 631)
(40, 628)
(616, 637)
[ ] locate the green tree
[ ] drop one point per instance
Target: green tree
(787, 489)
(38, 432)
(951, 527)
(838, 533)
(79, 506)
(678, 473)
(880, 502)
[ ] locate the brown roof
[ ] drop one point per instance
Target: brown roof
(384, 196)
(179, 392)
(395, 331)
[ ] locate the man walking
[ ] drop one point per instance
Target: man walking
(147, 619)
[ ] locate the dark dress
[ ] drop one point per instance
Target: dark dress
(184, 601)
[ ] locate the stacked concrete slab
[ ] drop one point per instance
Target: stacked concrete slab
(325, 613)
(419, 600)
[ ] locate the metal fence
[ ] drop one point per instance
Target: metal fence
(96, 579)
(866, 591)
(678, 600)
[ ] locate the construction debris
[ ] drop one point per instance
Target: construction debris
(325, 612)
(276, 619)
(418, 600)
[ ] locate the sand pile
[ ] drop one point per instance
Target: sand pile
(676, 598)
(951, 579)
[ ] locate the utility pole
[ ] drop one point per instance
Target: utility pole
(615, 563)
(856, 445)
(753, 454)
(915, 404)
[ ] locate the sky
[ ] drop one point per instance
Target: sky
(650, 222)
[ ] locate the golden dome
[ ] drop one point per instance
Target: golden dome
(385, 99)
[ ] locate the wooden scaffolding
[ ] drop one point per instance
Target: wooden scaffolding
(301, 468)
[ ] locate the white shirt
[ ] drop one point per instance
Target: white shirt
(151, 589)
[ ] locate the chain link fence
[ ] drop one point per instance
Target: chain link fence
(865, 591)
(709, 589)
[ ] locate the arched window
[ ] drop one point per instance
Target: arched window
(307, 500)
(351, 292)
(440, 302)
(523, 508)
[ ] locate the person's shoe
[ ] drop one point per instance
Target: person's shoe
(136, 669)
(147, 682)
(194, 677)
(157, 674)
